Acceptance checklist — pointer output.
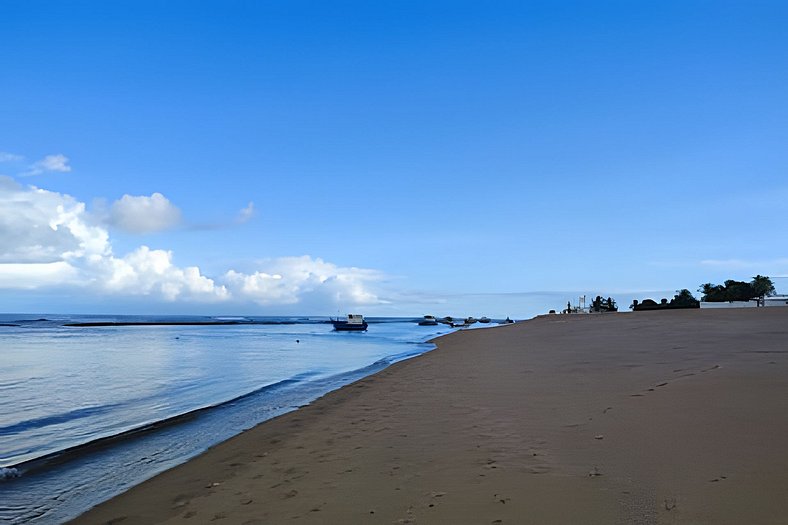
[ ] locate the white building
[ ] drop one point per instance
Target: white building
(775, 300)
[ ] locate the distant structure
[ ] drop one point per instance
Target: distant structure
(682, 299)
(579, 309)
(598, 305)
(776, 300)
(601, 306)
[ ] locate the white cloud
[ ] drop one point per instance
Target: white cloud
(50, 163)
(290, 280)
(49, 241)
(10, 157)
(141, 214)
(151, 272)
(246, 214)
(29, 276)
(38, 226)
(744, 264)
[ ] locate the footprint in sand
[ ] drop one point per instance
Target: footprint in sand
(501, 499)
(181, 501)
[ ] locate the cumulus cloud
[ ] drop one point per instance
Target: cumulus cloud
(38, 226)
(49, 241)
(289, 280)
(151, 272)
(141, 214)
(50, 163)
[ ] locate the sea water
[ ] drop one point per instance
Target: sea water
(87, 412)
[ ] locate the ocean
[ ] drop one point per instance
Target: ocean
(87, 412)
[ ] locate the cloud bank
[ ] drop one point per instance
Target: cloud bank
(48, 241)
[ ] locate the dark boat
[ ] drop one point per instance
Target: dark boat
(429, 320)
(353, 323)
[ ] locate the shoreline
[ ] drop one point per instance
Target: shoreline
(615, 418)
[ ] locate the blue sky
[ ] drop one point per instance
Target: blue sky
(393, 158)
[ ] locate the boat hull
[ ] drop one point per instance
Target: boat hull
(344, 326)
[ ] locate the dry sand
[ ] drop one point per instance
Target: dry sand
(647, 417)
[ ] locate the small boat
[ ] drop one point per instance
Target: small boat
(484, 319)
(353, 323)
(429, 320)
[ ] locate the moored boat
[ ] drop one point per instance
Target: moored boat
(353, 323)
(429, 320)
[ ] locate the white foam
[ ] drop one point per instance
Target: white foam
(8, 473)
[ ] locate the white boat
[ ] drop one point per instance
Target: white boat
(429, 320)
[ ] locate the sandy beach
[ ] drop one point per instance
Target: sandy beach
(647, 417)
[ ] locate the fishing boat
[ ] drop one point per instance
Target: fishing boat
(353, 323)
(429, 320)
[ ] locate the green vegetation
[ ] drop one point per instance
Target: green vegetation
(682, 299)
(758, 288)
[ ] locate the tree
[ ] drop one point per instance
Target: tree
(712, 293)
(732, 290)
(684, 298)
(762, 286)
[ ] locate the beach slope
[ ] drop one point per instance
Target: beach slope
(648, 417)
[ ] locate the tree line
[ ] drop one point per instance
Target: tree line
(731, 290)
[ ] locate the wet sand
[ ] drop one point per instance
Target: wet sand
(647, 417)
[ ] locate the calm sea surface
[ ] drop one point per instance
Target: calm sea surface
(85, 413)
